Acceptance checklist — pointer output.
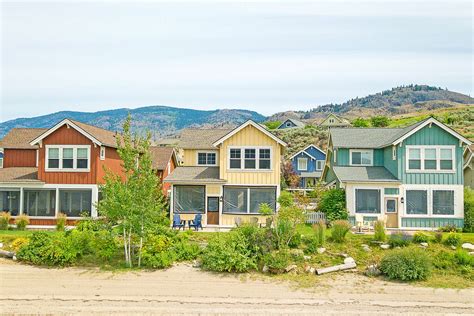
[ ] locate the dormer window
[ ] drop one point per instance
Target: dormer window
(67, 158)
(361, 157)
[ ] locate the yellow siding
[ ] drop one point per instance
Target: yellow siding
(213, 190)
(250, 136)
(190, 156)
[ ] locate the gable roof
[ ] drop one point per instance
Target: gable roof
(305, 151)
(160, 157)
(19, 138)
(359, 137)
(198, 175)
(241, 127)
(295, 122)
(338, 118)
(19, 175)
(364, 174)
(96, 134)
(194, 138)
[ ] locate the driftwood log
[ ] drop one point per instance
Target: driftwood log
(345, 266)
(6, 254)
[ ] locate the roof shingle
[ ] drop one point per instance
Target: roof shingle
(19, 174)
(195, 138)
(20, 138)
(364, 174)
(160, 157)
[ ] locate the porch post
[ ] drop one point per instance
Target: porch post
(21, 201)
(56, 202)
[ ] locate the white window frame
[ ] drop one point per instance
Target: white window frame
(248, 188)
(394, 152)
(1, 158)
(302, 161)
(429, 203)
(74, 168)
(370, 151)
(381, 194)
(206, 152)
(422, 158)
(102, 153)
(320, 164)
(242, 158)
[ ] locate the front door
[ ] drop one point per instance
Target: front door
(212, 210)
(391, 211)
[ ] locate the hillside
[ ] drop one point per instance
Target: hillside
(161, 120)
(399, 100)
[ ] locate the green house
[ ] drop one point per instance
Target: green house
(411, 178)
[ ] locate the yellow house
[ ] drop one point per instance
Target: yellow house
(226, 174)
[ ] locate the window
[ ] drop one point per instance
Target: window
(102, 153)
(416, 202)
(67, 158)
(1, 159)
(331, 120)
(248, 200)
(361, 157)
(213, 204)
(302, 163)
(288, 124)
(235, 158)
(394, 152)
(206, 159)
(319, 164)
(443, 202)
(39, 202)
(189, 199)
(250, 158)
(391, 206)
(367, 201)
(430, 158)
(74, 203)
(264, 158)
(10, 202)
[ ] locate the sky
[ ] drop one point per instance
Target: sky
(266, 56)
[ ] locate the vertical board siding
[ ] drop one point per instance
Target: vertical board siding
(19, 158)
(422, 222)
(391, 191)
(250, 136)
(190, 156)
(112, 163)
(342, 157)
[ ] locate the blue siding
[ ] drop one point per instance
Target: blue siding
(311, 162)
(284, 125)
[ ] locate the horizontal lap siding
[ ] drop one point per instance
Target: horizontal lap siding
(68, 136)
(19, 158)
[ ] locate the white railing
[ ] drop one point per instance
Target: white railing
(315, 217)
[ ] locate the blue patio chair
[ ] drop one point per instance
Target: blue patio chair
(196, 222)
(177, 222)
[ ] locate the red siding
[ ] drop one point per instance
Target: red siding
(163, 174)
(19, 158)
(112, 162)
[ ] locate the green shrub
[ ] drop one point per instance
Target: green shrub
(399, 240)
(438, 237)
(448, 228)
(186, 250)
(320, 232)
(360, 122)
(18, 243)
(259, 241)
(463, 258)
(468, 210)
(379, 231)
(265, 209)
(286, 199)
(443, 260)
(340, 228)
(453, 239)
(272, 124)
(379, 121)
(406, 264)
(277, 261)
(420, 237)
(61, 222)
(333, 204)
(91, 224)
(103, 244)
(157, 252)
(4, 220)
(228, 252)
(22, 221)
(295, 241)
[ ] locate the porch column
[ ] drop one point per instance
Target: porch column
(56, 202)
(21, 201)
(94, 201)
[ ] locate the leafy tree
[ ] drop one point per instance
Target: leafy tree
(289, 175)
(379, 121)
(133, 201)
(272, 124)
(286, 199)
(333, 204)
(360, 122)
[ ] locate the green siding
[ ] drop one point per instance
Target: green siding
(424, 222)
(370, 218)
(342, 158)
(379, 157)
(431, 136)
(389, 163)
(391, 191)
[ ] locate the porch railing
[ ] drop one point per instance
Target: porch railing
(315, 217)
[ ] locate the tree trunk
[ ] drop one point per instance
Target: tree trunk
(125, 245)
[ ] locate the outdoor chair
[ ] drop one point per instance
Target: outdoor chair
(196, 222)
(177, 222)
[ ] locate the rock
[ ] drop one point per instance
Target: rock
(424, 244)
(14, 258)
(307, 257)
(265, 269)
(453, 247)
(312, 270)
(307, 268)
(349, 260)
(344, 255)
(366, 248)
(196, 264)
(321, 250)
(385, 246)
(291, 268)
(373, 270)
(1, 244)
(467, 246)
(471, 253)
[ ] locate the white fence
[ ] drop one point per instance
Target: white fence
(315, 217)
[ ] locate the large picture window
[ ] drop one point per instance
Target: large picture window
(430, 158)
(361, 157)
(206, 159)
(250, 158)
(39, 202)
(443, 202)
(248, 200)
(10, 202)
(189, 199)
(68, 158)
(416, 202)
(367, 201)
(74, 203)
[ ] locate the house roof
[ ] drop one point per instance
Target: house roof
(195, 175)
(160, 157)
(295, 122)
(19, 138)
(340, 120)
(305, 151)
(364, 174)
(97, 135)
(241, 127)
(19, 175)
(194, 138)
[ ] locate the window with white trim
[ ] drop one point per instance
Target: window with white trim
(417, 202)
(68, 158)
(429, 202)
(102, 153)
(430, 158)
(207, 158)
(361, 157)
(319, 164)
(75, 203)
(248, 199)
(443, 202)
(250, 158)
(302, 163)
(367, 201)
